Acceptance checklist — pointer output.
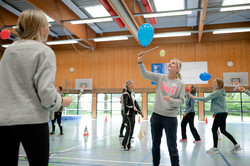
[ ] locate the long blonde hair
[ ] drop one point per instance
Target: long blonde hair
(179, 66)
(29, 24)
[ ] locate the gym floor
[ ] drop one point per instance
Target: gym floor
(102, 147)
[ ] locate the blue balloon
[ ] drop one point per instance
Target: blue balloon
(145, 34)
(205, 76)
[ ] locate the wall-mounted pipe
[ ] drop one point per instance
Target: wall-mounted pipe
(148, 9)
(111, 11)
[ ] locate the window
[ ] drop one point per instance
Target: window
(80, 105)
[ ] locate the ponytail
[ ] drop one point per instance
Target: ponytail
(179, 65)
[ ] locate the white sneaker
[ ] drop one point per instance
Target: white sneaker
(213, 151)
(236, 148)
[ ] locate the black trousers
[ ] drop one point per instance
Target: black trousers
(123, 123)
(220, 121)
(130, 124)
(34, 138)
(189, 118)
(58, 117)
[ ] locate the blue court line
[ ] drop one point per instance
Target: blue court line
(225, 159)
(145, 157)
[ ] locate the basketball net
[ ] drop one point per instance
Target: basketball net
(236, 85)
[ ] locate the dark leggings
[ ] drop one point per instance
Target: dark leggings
(58, 117)
(189, 118)
(220, 121)
(34, 138)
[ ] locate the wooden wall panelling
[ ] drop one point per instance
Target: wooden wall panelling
(111, 67)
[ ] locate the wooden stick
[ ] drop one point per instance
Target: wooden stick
(151, 49)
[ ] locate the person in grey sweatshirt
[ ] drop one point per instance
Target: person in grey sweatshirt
(169, 97)
(218, 107)
(28, 94)
(188, 117)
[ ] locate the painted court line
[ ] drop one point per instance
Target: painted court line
(145, 158)
(108, 161)
(224, 159)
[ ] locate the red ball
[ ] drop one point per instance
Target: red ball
(187, 89)
(5, 34)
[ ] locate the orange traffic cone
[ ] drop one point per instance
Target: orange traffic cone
(206, 121)
(106, 118)
(139, 120)
(86, 133)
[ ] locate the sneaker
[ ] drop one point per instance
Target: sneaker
(52, 133)
(236, 148)
(120, 136)
(213, 151)
(131, 149)
(183, 140)
(198, 141)
(61, 134)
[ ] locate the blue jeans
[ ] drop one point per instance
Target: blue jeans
(169, 124)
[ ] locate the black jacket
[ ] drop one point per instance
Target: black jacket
(128, 104)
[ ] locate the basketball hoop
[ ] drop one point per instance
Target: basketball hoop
(236, 85)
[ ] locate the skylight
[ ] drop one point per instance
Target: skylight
(97, 11)
(235, 2)
(168, 5)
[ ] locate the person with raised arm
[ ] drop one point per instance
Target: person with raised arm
(169, 97)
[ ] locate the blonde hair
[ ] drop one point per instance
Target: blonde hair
(29, 24)
(127, 84)
(179, 65)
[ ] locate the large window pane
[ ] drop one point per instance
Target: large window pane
(80, 105)
(246, 107)
(103, 105)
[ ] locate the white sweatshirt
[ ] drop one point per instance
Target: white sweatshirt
(27, 75)
(165, 87)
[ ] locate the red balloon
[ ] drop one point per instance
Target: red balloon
(5, 34)
(187, 89)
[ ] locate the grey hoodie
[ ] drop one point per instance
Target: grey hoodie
(165, 87)
(218, 101)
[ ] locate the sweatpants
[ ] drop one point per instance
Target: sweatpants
(34, 138)
(130, 124)
(169, 124)
(58, 117)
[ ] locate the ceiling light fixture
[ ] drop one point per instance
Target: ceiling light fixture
(172, 34)
(231, 30)
(225, 9)
(5, 45)
(166, 14)
(111, 38)
(58, 42)
(92, 20)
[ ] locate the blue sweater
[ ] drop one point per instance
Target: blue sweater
(189, 104)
